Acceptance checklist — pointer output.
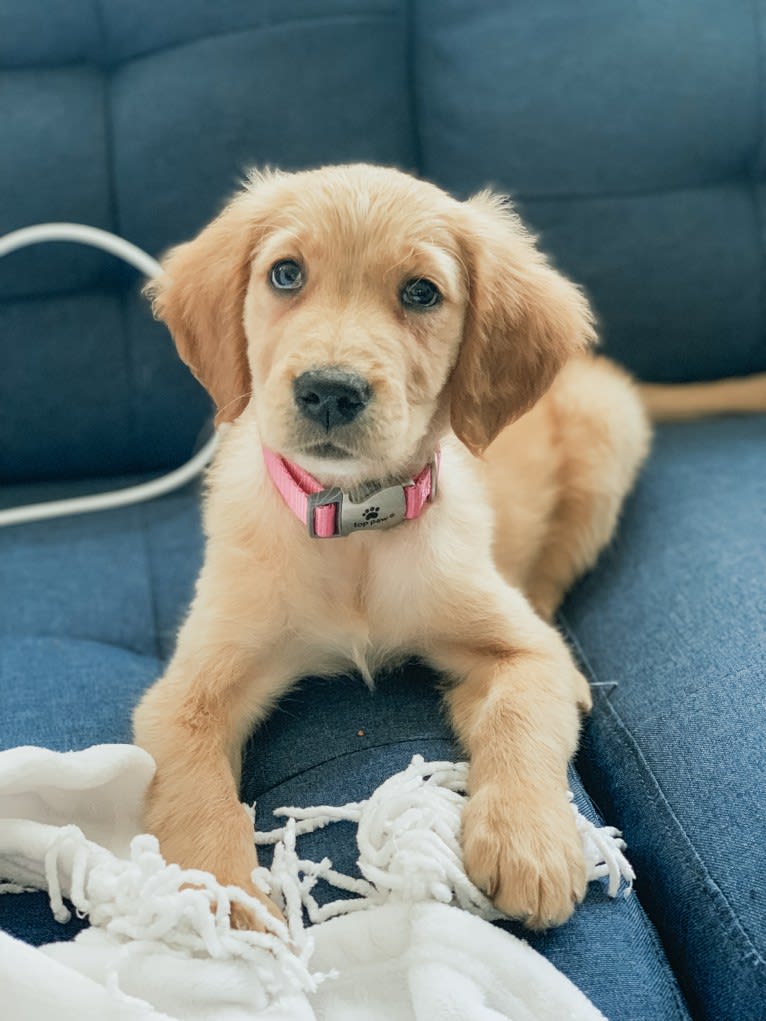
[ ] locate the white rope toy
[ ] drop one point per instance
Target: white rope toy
(148, 905)
(409, 851)
(408, 836)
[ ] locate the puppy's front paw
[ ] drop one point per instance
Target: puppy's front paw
(243, 917)
(220, 843)
(526, 856)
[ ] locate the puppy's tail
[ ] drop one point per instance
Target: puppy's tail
(675, 402)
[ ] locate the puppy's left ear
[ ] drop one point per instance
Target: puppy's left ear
(524, 321)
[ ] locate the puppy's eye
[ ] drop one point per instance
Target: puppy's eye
(287, 275)
(420, 293)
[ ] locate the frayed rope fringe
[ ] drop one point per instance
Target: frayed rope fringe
(409, 851)
(408, 836)
(148, 905)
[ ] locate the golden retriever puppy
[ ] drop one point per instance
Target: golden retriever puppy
(407, 373)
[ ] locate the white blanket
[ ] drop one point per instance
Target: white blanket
(415, 944)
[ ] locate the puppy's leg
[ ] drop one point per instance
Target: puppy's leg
(193, 722)
(514, 705)
(604, 436)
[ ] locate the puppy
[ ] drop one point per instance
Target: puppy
(421, 458)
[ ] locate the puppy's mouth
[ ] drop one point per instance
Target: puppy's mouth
(329, 451)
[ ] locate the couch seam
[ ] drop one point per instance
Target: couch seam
(84, 58)
(413, 95)
(636, 193)
(682, 1011)
(150, 576)
(676, 832)
(345, 755)
(275, 26)
(758, 157)
(108, 139)
(114, 225)
(84, 640)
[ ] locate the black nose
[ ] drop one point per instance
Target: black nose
(331, 397)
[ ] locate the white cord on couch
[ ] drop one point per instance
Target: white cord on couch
(131, 494)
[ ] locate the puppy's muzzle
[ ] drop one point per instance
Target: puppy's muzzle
(331, 397)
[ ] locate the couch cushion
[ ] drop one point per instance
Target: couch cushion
(671, 627)
(122, 578)
(631, 139)
(67, 694)
(141, 118)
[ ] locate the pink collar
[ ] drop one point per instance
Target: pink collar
(331, 512)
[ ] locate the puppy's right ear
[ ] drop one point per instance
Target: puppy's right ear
(201, 298)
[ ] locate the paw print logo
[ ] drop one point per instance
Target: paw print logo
(371, 514)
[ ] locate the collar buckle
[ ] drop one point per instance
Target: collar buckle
(384, 508)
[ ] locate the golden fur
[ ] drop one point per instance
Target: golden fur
(522, 510)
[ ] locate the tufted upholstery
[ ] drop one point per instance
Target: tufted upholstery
(129, 117)
(632, 137)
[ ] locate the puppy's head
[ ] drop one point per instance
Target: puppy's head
(355, 313)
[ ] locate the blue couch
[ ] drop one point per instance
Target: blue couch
(632, 137)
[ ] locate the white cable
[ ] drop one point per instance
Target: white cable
(131, 494)
(115, 497)
(84, 235)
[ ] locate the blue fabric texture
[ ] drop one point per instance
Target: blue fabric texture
(122, 578)
(671, 627)
(632, 138)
